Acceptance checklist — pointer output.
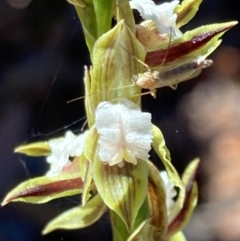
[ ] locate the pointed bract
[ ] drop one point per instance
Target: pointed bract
(197, 42)
(113, 50)
(123, 190)
(90, 149)
(160, 148)
(186, 11)
(186, 200)
(78, 217)
(41, 148)
(44, 189)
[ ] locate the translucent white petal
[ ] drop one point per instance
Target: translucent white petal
(170, 191)
(63, 148)
(162, 15)
(125, 132)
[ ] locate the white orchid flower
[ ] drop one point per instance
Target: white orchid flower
(125, 132)
(63, 148)
(162, 15)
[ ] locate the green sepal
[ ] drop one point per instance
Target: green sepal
(159, 146)
(122, 189)
(41, 148)
(44, 189)
(89, 151)
(78, 217)
(186, 11)
(115, 49)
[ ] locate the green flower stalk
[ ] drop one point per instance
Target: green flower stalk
(109, 164)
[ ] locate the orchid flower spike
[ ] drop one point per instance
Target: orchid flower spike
(63, 148)
(162, 15)
(125, 132)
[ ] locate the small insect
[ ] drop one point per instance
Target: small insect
(154, 79)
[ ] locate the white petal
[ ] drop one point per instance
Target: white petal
(125, 132)
(63, 148)
(162, 15)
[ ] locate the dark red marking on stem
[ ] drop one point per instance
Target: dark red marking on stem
(165, 56)
(48, 189)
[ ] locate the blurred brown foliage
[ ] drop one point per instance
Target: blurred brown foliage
(213, 112)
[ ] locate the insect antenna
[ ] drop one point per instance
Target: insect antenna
(152, 91)
(84, 96)
(138, 60)
(169, 43)
(61, 129)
